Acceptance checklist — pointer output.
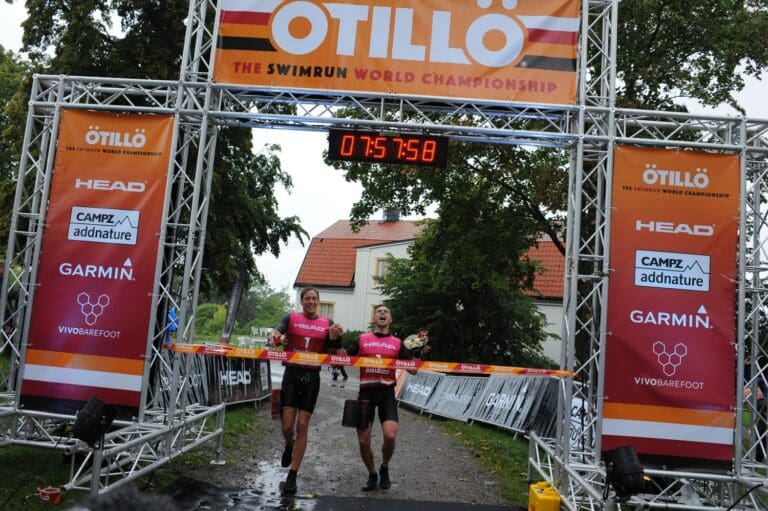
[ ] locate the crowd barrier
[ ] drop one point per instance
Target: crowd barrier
(517, 403)
(229, 380)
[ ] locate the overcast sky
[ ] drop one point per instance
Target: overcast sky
(320, 195)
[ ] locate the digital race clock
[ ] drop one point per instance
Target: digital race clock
(370, 147)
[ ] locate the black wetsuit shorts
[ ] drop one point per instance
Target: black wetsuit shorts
(300, 388)
(381, 397)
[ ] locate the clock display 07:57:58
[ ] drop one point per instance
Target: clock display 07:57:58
(401, 149)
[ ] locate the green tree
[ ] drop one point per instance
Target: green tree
(470, 298)
(671, 49)
(78, 38)
(13, 72)
(262, 306)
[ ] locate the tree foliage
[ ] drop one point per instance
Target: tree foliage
(260, 306)
(12, 79)
(144, 39)
(672, 49)
(471, 299)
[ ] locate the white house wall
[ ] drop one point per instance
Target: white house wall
(366, 291)
(553, 312)
(343, 304)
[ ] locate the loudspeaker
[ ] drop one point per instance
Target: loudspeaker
(93, 420)
(624, 472)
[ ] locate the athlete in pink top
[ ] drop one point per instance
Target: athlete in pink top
(303, 331)
(377, 386)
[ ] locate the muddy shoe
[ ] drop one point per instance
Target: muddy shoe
(373, 482)
(289, 486)
(384, 482)
(285, 460)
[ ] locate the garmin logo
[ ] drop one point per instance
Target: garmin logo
(97, 136)
(97, 271)
(675, 178)
(109, 186)
(672, 319)
(672, 228)
(503, 401)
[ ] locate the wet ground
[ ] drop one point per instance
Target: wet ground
(430, 470)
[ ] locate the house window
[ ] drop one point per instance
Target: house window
(326, 309)
(382, 267)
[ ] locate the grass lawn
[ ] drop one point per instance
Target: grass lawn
(500, 453)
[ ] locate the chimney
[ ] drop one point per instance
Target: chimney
(391, 215)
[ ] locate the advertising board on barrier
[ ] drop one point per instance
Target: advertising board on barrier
(418, 388)
(455, 396)
(522, 50)
(90, 316)
(235, 380)
(670, 361)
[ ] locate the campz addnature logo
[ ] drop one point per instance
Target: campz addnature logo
(672, 270)
(102, 225)
(493, 39)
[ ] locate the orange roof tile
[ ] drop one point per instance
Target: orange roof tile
(548, 284)
(330, 259)
(375, 231)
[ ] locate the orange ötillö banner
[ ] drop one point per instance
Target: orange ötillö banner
(670, 358)
(90, 316)
(518, 50)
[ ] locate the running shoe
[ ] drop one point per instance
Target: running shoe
(285, 461)
(373, 482)
(384, 482)
(289, 486)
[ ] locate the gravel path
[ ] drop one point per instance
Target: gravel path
(428, 464)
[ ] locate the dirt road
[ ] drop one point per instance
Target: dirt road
(428, 465)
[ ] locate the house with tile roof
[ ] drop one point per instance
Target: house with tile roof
(343, 265)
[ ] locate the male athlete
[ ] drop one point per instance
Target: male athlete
(303, 331)
(377, 386)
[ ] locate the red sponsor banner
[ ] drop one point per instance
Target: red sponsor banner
(508, 51)
(90, 316)
(670, 358)
(384, 363)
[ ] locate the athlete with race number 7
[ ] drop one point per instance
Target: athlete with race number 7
(303, 331)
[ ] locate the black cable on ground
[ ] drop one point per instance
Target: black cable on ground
(755, 487)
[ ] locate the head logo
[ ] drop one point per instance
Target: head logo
(91, 311)
(107, 185)
(669, 362)
(672, 228)
(675, 178)
(97, 136)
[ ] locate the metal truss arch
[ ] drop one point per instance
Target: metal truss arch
(172, 420)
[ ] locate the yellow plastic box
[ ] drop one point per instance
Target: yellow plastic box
(543, 497)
